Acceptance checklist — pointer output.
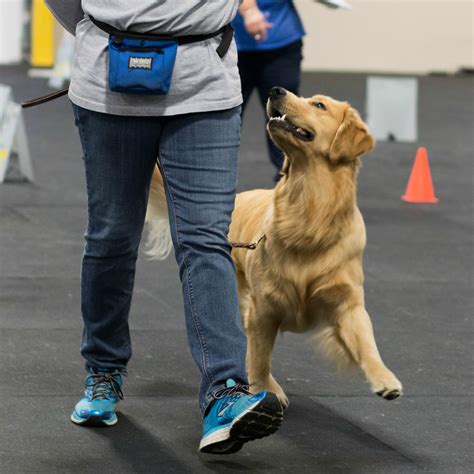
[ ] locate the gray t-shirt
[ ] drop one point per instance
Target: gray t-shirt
(201, 82)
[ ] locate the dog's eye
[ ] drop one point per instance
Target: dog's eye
(320, 105)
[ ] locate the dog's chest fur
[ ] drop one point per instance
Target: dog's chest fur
(310, 264)
(303, 291)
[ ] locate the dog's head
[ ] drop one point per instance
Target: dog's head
(316, 126)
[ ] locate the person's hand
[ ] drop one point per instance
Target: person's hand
(256, 23)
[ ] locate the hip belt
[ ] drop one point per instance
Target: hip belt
(227, 34)
(143, 63)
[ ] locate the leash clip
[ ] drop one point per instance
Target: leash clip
(249, 246)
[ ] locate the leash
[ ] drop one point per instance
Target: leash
(44, 98)
(54, 95)
(250, 246)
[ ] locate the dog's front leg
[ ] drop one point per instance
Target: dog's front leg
(356, 333)
(261, 335)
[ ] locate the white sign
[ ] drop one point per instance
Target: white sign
(13, 136)
(392, 108)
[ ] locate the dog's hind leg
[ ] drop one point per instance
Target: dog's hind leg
(261, 336)
(159, 244)
(355, 331)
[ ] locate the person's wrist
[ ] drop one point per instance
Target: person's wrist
(250, 11)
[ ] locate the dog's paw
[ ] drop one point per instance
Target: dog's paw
(390, 389)
(274, 387)
(384, 383)
(390, 394)
(283, 399)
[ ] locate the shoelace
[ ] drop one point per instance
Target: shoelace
(238, 389)
(102, 384)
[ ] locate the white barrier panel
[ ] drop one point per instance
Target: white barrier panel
(13, 136)
(392, 108)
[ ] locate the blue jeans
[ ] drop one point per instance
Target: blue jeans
(197, 154)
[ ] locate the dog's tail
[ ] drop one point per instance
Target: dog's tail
(158, 244)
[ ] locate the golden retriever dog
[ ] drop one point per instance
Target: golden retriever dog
(305, 274)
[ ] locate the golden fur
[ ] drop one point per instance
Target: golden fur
(306, 275)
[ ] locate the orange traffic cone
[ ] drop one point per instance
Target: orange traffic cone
(420, 185)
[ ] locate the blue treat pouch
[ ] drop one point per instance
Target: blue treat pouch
(141, 65)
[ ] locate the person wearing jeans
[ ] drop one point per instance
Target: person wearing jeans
(192, 133)
(269, 40)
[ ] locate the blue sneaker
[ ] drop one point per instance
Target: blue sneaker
(102, 394)
(237, 416)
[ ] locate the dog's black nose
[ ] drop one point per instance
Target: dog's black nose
(276, 92)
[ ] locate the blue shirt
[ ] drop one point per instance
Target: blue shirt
(286, 29)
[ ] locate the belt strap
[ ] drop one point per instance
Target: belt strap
(227, 34)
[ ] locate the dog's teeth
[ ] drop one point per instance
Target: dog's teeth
(284, 117)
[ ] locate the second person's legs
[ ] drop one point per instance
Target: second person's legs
(280, 67)
(249, 71)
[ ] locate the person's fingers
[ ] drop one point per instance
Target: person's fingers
(256, 26)
(262, 35)
(256, 22)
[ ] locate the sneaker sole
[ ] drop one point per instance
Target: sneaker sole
(93, 421)
(259, 421)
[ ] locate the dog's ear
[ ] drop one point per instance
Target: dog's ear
(352, 138)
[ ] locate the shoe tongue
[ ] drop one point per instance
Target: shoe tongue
(230, 383)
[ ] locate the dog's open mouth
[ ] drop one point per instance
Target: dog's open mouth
(281, 121)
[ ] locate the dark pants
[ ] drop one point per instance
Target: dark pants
(266, 69)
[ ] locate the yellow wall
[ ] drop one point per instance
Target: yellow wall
(389, 36)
